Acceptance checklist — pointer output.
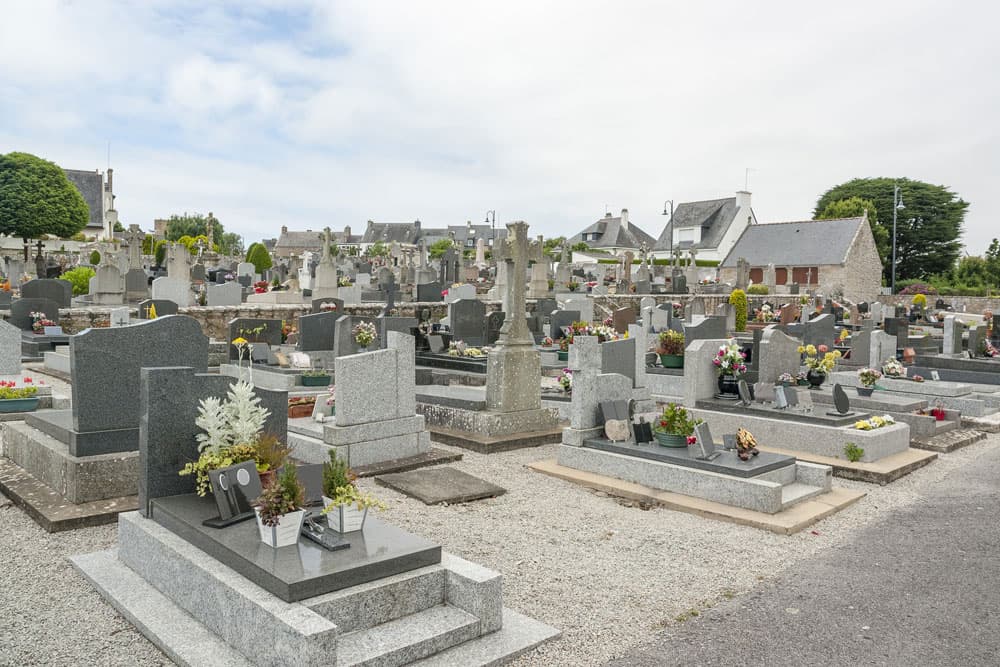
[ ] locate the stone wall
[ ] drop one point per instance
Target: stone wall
(969, 304)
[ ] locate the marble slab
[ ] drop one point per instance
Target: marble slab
(727, 463)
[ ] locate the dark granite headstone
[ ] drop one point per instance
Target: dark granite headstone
(711, 328)
(136, 284)
(493, 323)
(387, 323)
(819, 331)
(468, 321)
(316, 332)
(559, 319)
(544, 307)
(21, 309)
(618, 356)
(841, 401)
(429, 293)
(162, 306)
(621, 318)
(168, 406)
(60, 291)
(243, 327)
(198, 272)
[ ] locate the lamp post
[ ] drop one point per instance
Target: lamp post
(670, 247)
(897, 205)
(493, 234)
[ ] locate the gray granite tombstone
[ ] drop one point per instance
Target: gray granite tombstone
(167, 407)
(559, 319)
(10, 349)
(861, 346)
(198, 272)
(136, 284)
(253, 330)
(21, 309)
(162, 307)
(317, 305)
(819, 331)
(60, 291)
(316, 332)
(618, 356)
(429, 293)
(710, 328)
(622, 317)
(387, 323)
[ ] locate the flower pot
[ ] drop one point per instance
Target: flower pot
(315, 380)
(286, 533)
(785, 384)
(672, 360)
(266, 477)
(815, 379)
(865, 391)
(300, 410)
(563, 356)
(19, 404)
(345, 518)
(802, 383)
(670, 440)
(728, 384)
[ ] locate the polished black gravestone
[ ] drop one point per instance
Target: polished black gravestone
(234, 489)
(727, 463)
(302, 570)
(841, 402)
(59, 291)
(21, 309)
(254, 330)
(316, 332)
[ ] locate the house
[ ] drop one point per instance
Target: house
(464, 236)
(710, 228)
(613, 235)
(834, 257)
(296, 243)
(100, 198)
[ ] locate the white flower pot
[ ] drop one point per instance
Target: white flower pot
(286, 533)
(346, 518)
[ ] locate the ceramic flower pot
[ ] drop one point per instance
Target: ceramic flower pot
(728, 384)
(670, 440)
(286, 533)
(345, 518)
(672, 360)
(19, 404)
(563, 356)
(815, 379)
(300, 410)
(865, 391)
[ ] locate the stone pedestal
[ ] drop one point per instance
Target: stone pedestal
(512, 379)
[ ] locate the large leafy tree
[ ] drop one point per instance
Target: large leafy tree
(37, 199)
(259, 257)
(196, 224)
(439, 248)
(854, 207)
(927, 228)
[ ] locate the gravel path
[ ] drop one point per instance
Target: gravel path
(605, 572)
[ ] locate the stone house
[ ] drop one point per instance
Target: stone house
(833, 257)
(614, 235)
(710, 228)
(97, 190)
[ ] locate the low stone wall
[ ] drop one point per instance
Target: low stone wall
(966, 304)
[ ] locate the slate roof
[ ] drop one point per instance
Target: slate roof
(614, 235)
(805, 243)
(714, 216)
(91, 186)
(290, 241)
(387, 232)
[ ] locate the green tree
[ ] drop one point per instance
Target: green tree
(119, 227)
(95, 257)
(37, 199)
(79, 278)
(378, 249)
(927, 228)
(147, 245)
(854, 207)
(196, 224)
(439, 248)
(580, 247)
(160, 252)
(993, 262)
(550, 246)
(259, 257)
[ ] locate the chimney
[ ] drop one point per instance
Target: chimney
(624, 218)
(109, 185)
(284, 229)
(743, 200)
(347, 233)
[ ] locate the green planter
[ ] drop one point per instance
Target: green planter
(563, 356)
(315, 380)
(672, 360)
(19, 404)
(671, 440)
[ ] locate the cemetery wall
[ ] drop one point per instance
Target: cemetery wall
(971, 304)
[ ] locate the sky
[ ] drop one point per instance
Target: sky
(313, 114)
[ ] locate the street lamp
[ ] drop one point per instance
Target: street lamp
(493, 236)
(897, 205)
(670, 247)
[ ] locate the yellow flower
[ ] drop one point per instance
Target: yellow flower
(240, 341)
(837, 354)
(801, 349)
(811, 350)
(862, 425)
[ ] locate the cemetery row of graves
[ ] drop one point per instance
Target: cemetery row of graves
(230, 464)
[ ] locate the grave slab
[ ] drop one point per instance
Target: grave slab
(435, 486)
(883, 471)
(727, 462)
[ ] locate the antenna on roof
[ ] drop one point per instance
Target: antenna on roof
(746, 178)
(109, 154)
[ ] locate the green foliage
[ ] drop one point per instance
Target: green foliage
(283, 495)
(928, 228)
(553, 246)
(854, 207)
(738, 299)
(8, 393)
(148, 244)
(259, 257)
(671, 342)
(79, 278)
(378, 249)
(758, 288)
(675, 420)
(579, 247)
(95, 257)
(439, 248)
(853, 452)
(336, 474)
(160, 252)
(663, 261)
(119, 227)
(36, 199)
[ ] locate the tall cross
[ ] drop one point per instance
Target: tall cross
(327, 242)
(516, 251)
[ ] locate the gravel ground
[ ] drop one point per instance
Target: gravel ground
(607, 573)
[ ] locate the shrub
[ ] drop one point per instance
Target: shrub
(95, 257)
(918, 288)
(79, 278)
(738, 299)
(853, 452)
(260, 258)
(758, 288)
(283, 495)
(160, 252)
(671, 342)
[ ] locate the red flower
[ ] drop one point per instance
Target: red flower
(28, 380)
(691, 440)
(823, 349)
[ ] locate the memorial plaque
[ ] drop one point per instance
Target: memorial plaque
(311, 478)
(705, 446)
(763, 392)
(235, 488)
(792, 396)
(643, 431)
(780, 398)
(805, 402)
(745, 397)
(729, 441)
(935, 376)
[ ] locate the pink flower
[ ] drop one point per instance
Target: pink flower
(28, 380)
(691, 440)
(823, 349)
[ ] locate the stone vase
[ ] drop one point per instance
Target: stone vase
(865, 391)
(815, 379)
(728, 384)
(286, 533)
(345, 518)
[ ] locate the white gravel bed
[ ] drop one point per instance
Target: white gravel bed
(608, 574)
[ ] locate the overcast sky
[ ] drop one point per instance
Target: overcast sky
(310, 114)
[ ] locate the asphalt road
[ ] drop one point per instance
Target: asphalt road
(918, 588)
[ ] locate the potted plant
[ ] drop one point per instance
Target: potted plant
(564, 343)
(269, 454)
(867, 377)
(301, 406)
(820, 361)
(547, 342)
(893, 369)
(315, 378)
(573, 286)
(17, 399)
(675, 427)
(671, 349)
(800, 380)
(566, 380)
(346, 507)
(729, 363)
(786, 380)
(280, 510)
(364, 334)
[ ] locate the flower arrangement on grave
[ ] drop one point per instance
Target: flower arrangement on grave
(233, 433)
(287, 330)
(344, 504)
(874, 423)
(573, 286)
(844, 335)
(328, 307)
(675, 426)
(868, 377)
(917, 378)
(461, 349)
(344, 281)
(764, 314)
(708, 281)
(229, 277)
(316, 373)
(547, 342)
(787, 379)
(730, 360)
(819, 360)
(566, 380)
(746, 445)
(919, 300)
(280, 510)
(10, 391)
(670, 342)
(261, 286)
(39, 321)
(893, 369)
(364, 333)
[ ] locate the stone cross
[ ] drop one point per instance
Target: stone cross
(422, 257)
(627, 273)
(327, 242)
(134, 238)
(516, 251)
(390, 295)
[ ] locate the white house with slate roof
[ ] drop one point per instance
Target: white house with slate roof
(831, 256)
(710, 228)
(614, 235)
